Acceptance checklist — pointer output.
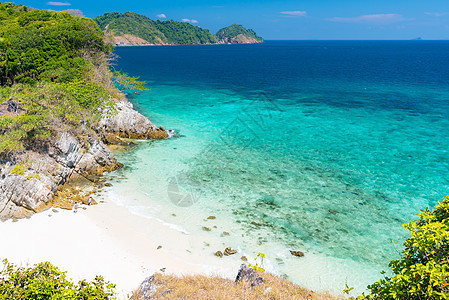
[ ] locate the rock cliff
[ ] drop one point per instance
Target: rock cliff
(30, 179)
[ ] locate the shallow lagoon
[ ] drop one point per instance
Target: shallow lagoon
(323, 147)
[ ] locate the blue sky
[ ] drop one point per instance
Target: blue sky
(307, 19)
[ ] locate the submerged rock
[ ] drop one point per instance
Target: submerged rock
(228, 251)
(297, 253)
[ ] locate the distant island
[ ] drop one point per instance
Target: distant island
(131, 29)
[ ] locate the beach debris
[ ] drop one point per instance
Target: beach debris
(244, 258)
(219, 253)
(333, 211)
(297, 253)
(159, 247)
(107, 184)
(206, 228)
(228, 251)
(225, 233)
(163, 269)
(211, 218)
(55, 210)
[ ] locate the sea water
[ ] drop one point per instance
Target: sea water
(325, 147)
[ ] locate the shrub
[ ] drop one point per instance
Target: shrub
(45, 281)
(422, 272)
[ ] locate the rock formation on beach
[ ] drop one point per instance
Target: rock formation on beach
(59, 109)
(30, 179)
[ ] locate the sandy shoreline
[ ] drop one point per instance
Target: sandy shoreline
(107, 240)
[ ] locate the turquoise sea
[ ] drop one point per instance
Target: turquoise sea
(326, 147)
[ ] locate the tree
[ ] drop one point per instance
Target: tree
(124, 81)
(423, 270)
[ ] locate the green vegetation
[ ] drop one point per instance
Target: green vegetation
(181, 33)
(19, 169)
(171, 32)
(229, 33)
(422, 272)
(124, 81)
(154, 32)
(54, 76)
(131, 23)
(45, 281)
(258, 265)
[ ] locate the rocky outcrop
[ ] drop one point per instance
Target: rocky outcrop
(30, 179)
(128, 123)
(29, 186)
(147, 289)
(240, 39)
(22, 192)
(132, 40)
(248, 274)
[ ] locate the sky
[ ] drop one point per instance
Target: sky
(288, 20)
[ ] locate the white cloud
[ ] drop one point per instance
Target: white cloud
(437, 14)
(190, 21)
(295, 13)
(59, 3)
(161, 16)
(379, 19)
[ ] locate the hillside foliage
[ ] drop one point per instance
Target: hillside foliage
(54, 75)
(169, 31)
(155, 32)
(131, 23)
(422, 272)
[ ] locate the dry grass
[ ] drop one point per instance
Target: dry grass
(214, 287)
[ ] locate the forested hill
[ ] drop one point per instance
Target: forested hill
(133, 29)
(53, 75)
(237, 34)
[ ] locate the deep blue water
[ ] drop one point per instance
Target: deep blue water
(323, 146)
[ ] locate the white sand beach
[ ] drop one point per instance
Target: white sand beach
(107, 240)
